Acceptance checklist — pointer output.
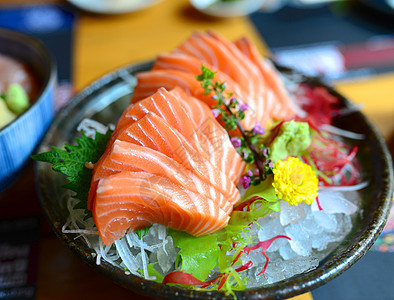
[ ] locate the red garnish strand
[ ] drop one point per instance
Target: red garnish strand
(318, 203)
(336, 161)
(180, 277)
(244, 267)
(264, 245)
(237, 257)
(209, 282)
(265, 265)
(246, 203)
(311, 125)
(222, 281)
(275, 131)
(234, 244)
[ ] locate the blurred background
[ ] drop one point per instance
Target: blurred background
(350, 44)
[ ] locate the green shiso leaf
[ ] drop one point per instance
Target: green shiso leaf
(71, 162)
(199, 254)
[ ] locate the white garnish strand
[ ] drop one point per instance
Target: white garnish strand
(342, 132)
(91, 126)
(345, 188)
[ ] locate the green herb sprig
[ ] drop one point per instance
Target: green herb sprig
(231, 112)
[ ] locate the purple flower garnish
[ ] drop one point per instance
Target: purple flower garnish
(236, 142)
(265, 152)
(215, 112)
(250, 173)
(243, 106)
(214, 97)
(233, 99)
(244, 155)
(245, 181)
(258, 129)
(271, 165)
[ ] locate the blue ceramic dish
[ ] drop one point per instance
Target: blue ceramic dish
(19, 138)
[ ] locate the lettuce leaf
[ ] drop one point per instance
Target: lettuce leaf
(199, 254)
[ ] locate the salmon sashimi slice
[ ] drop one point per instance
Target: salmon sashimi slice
(197, 110)
(168, 107)
(207, 136)
(215, 51)
(162, 103)
(149, 82)
(132, 200)
(189, 64)
(285, 108)
(124, 156)
(186, 63)
(153, 132)
(221, 150)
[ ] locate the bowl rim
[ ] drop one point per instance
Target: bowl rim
(50, 69)
(297, 285)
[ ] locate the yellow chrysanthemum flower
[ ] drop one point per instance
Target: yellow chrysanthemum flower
(295, 181)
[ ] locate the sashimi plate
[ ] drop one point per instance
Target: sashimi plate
(104, 101)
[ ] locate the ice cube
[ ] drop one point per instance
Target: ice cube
(166, 257)
(291, 213)
(270, 229)
(334, 202)
(287, 253)
(300, 240)
(326, 221)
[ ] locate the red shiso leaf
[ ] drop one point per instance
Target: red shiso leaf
(181, 277)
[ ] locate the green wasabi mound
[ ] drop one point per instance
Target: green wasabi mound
(6, 116)
(292, 140)
(16, 99)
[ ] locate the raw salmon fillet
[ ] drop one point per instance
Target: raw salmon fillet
(283, 108)
(195, 121)
(192, 65)
(169, 161)
(155, 133)
(245, 72)
(124, 156)
(133, 200)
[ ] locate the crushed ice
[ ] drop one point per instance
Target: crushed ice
(313, 234)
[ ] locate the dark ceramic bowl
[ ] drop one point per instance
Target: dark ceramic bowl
(105, 99)
(19, 138)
